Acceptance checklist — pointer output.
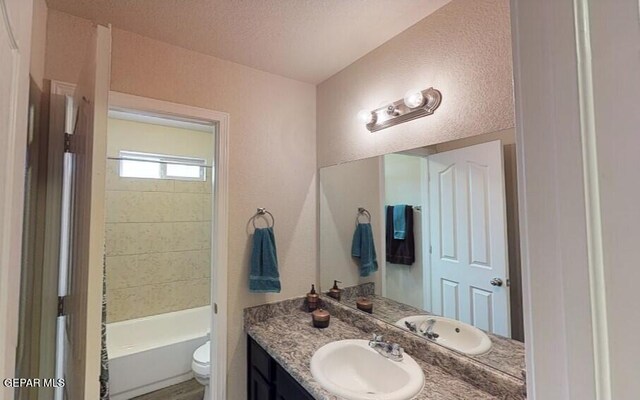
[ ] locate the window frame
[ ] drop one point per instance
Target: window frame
(163, 160)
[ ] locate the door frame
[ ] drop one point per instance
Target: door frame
(60, 121)
(561, 238)
(219, 227)
(427, 290)
(17, 28)
(219, 260)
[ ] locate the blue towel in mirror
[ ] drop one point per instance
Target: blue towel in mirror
(264, 276)
(364, 249)
(399, 225)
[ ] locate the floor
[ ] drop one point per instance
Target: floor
(189, 390)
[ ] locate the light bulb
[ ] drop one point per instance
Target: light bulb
(413, 98)
(366, 116)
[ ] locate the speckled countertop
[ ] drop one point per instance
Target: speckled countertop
(505, 354)
(294, 349)
(285, 331)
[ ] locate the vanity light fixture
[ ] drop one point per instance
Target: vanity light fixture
(415, 104)
(413, 98)
(366, 117)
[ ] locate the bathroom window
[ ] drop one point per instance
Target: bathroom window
(135, 164)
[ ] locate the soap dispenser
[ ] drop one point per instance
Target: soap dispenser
(312, 299)
(335, 291)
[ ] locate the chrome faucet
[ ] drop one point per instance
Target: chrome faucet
(429, 333)
(411, 326)
(392, 351)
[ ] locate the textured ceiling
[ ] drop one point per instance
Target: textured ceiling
(307, 40)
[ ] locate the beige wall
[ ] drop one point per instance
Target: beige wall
(272, 150)
(158, 247)
(463, 49)
(343, 189)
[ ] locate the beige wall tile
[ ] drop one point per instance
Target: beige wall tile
(123, 239)
(184, 236)
(129, 303)
(155, 207)
(158, 243)
(160, 236)
(136, 302)
(123, 206)
(202, 269)
(189, 187)
(119, 270)
(204, 235)
(207, 207)
(182, 295)
(187, 207)
(208, 184)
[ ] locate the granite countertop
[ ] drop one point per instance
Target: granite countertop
(291, 340)
(506, 355)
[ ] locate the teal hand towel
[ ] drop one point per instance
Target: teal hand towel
(264, 276)
(364, 249)
(399, 226)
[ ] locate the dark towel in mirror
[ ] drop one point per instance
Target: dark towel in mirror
(400, 251)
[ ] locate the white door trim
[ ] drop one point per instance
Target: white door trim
(382, 215)
(553, 214)
(16, 26)
(218, 381)
(426, 236)
(595, 249)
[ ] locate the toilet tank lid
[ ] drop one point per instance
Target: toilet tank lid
(203, 353)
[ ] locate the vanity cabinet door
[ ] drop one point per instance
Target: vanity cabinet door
(259, 388)
(288, 388)
(267, 380)
(260, 374)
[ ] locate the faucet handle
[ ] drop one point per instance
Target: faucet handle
(411, 326)
(396, 350)
(377, 338)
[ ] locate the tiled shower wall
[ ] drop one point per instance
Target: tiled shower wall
(158, 235)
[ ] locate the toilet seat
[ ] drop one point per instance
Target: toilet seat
(201, 364)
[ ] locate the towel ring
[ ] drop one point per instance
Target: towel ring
(363, 211)
(262, 211)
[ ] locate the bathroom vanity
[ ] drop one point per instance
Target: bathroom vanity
(282, 342)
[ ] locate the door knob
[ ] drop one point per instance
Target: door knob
(496, 282)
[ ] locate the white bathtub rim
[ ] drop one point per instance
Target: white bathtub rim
(116, 350)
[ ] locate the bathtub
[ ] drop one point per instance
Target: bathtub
(147, 354)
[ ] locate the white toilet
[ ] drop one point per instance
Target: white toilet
(201, 366)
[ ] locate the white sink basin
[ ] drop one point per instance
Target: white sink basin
(352, 370)
(453, 334)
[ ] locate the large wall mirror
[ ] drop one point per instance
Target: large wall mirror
(429, 238)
